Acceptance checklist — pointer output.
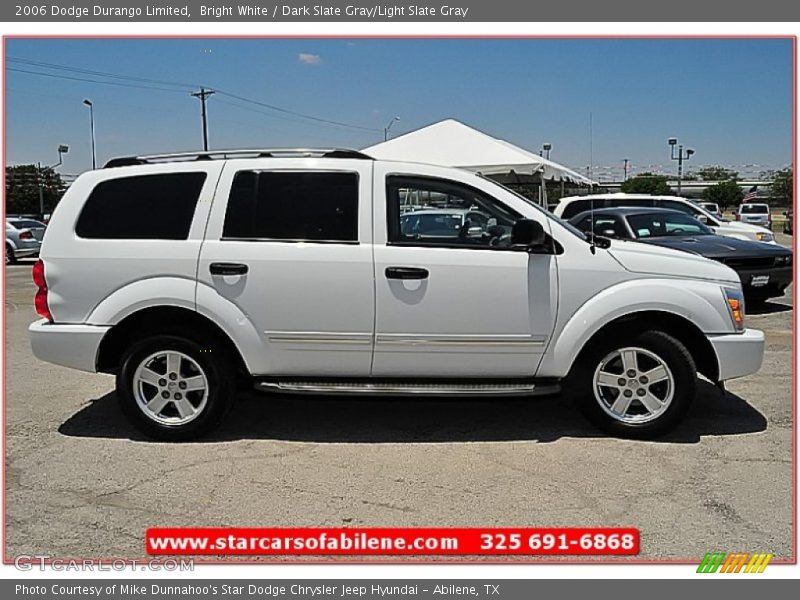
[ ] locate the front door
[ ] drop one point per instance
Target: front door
(452, 298)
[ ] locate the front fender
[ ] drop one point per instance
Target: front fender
(701, 303)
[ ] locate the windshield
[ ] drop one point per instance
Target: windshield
(666, 225)
(566, 224)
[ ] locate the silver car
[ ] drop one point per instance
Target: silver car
(37, 227)
(20, 243)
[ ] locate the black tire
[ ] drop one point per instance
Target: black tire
(580, 384)
(11, 257)
(220, 378)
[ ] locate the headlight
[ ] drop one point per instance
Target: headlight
(735, 300)
(765, 237)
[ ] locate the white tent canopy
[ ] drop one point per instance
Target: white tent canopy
(451, 143)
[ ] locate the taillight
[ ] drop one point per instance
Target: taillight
(40, 300)
(738, 217)
(25, 235)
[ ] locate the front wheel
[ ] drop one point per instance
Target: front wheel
(172, 389)
(638, 387)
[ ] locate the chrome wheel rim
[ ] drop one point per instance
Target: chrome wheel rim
(633, 385)
(170, 388)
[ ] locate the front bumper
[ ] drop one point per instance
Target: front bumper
(73, 346)
(738, 354)
(779, 280)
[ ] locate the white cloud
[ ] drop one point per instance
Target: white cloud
(309, 59)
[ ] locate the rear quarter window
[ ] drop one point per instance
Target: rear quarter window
(152, 207)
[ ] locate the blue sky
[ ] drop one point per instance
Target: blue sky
(728, 99)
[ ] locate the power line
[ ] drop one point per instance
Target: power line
(140, 81)
(115, 83)
(297, 114)
(58, 67)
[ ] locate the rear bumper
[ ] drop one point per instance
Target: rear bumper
(73, 346)
(738, 354)
(23, 251)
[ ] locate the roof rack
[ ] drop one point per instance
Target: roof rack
(126, 161)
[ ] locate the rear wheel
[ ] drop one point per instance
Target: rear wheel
(172, 390)
(11, 257)
(638, 387)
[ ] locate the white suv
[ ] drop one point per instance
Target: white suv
(572, 205)
(185, 274)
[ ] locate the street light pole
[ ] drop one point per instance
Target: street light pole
(624, 169)
(680, 157)
(388, 127)
(547, 147)
(88, 103)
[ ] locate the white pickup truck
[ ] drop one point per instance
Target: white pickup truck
(293, 271)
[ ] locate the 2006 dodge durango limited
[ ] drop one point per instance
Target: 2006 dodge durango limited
(328, 272)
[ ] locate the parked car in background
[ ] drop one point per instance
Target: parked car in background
(456, 223)
(711, 207)
(571, 206)
(764, 269)
(788, 223)
(20, 243)
(755, 213)
(37, 228)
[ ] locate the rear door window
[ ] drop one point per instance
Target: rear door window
(143, 207)
(293, 206)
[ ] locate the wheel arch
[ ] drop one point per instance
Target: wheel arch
(677, 326)
(164, 319)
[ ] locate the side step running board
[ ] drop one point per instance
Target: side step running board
(376, 388)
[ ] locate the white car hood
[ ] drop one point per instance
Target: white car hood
(748, 227)
(656, 260)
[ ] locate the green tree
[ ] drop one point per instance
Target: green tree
(782, 188)
(22, 189)
(646, 183)
(717, 173)
(724, 193)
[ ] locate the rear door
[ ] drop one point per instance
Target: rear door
(289, 242)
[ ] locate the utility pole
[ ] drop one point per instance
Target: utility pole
(625, 169)
(41, 188)
(203, 94)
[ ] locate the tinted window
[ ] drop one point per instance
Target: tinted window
(427, 211)
(298, 206)
(153, 207)
(636, 202)
(755, 209)
(578, 206)
(681, 206)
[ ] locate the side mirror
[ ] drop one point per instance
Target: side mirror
(527, 232)
(703, 219)
(475, 232)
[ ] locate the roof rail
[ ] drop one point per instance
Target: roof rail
(125, 161)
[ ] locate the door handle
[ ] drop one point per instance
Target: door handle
(406, 273)
(227, 268)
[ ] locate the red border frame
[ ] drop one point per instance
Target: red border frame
(792, 560)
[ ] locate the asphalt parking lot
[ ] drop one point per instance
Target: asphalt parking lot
(80, 482)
